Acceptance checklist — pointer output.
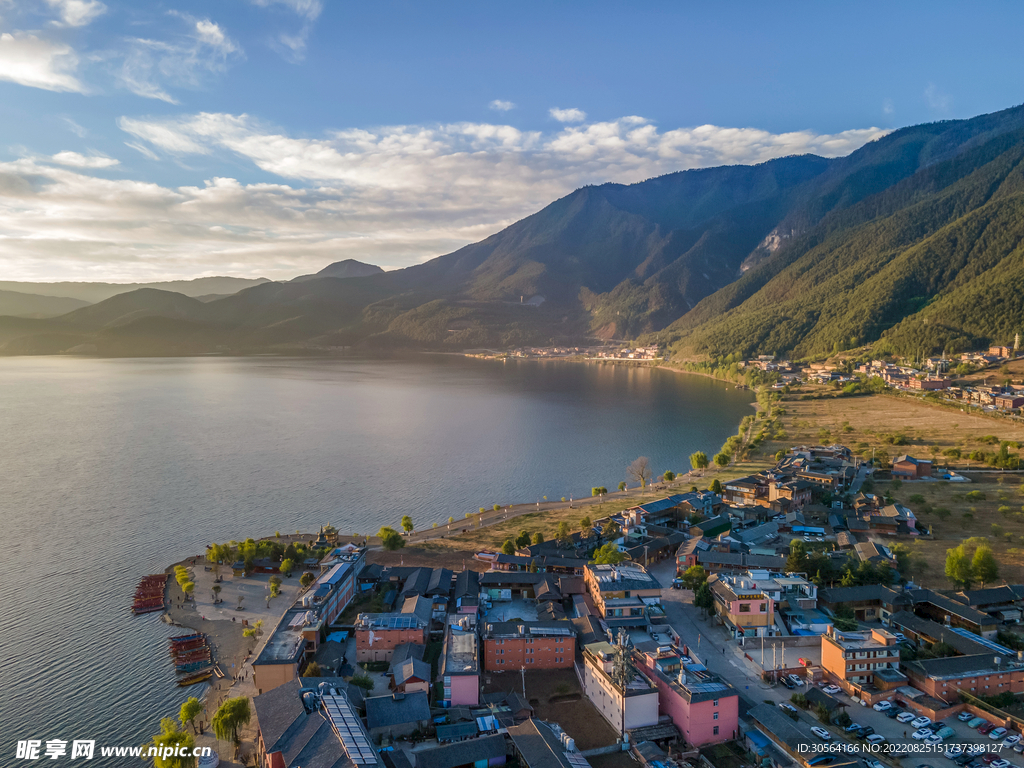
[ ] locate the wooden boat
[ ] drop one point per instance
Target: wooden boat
(147, 608)
(198, 677)
(193, 666)
(178, 661)
(186, 638)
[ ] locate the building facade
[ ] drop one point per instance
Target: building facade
(512, 645)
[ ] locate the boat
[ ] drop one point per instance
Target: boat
(184, 638)
(198, 677)
(193, 666)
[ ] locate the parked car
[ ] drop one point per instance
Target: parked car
(920, 722)
(787, 708)
(1010, 740)
(822, 760)
(864, 732)
(875, 738)
(874, 764)
(893, 712)
(989, 757)
(974, 722)
(832, 690)
(997, 733)
(920, 734)
(964, 716)
(1000, 763)
(945, 732)
(963, 759)
(934, 740)
(821, 733)
(905, 717)
(900, 636)
(936, 727)
(852, 727)
(788, 683)
(882, 706)
(986, 728)
(796, 679)
(1019, 747)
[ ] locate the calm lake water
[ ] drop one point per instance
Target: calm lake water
(115, 468)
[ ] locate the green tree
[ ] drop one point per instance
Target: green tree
(722, 459)
(171, 737)
(407, 525)
(523, 540)
(598, 490)
(538, 538)
(563, 535)
(190, 710)
(585, 523)
(984, 565)
(716, 486)
(797, 560)
(363, 681)
(390, 539)
(306, 579)
(608, 555)
(959, 568)
(611, 530)
(229, 717)
(450, 519)
(313, 670)
(703, 598)
(699, 460)
(216, 593)
(188, 588)
(694, 576)
(509, 547)
(287, 566)
(622, 486)
(669, 476)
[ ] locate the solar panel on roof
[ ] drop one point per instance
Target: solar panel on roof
(348, 730)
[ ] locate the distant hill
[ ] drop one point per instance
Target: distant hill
(914, 242)
(93, 292)
(33, 305)
(346, 268)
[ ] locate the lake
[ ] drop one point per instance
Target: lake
(116, 468)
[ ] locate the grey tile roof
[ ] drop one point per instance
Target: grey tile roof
(416, 583)
(939, 633)
(956, 666)
(494, 579)
(410, 669)
(405, 651)
(948, 604)
(990, 596)
(396, 709)
(856, 594)
(440, 582)
(467, 584)
(419, 606)
(463, 752)
(537, 745)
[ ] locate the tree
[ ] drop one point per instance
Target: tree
(275, 587)
(640, 471)
(509, 547)
(190, 711)
(169, 739)
(216, 593)
(229, 717)
(313, 670)
(538, 538)
(904, 558)
(959, 569)
(694, 576)
(984, 565)
(722, 459)
(407, 525)
(390, 539)
(287, 566)
(306, 579)
(450, 519)
(622, 486)
(585, 523)
(188, 588)
(716, 486)
(608, 555)
(669, 476)
(363, 681)
(611, 530)
(797, 560)
(563, 535)
(703, 597)
(523, 540)
(598, 490)
(699, 460)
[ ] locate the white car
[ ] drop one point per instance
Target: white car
(1000, 763)
(821, 733)
(796, 680)
(934, 739)
(882, 706)
(920, 722)
(1010, 740)
(997, 734)
(905, 717)
(832, 689)
(787, 708)
(807, 538)
(921, 734)
(875, 738)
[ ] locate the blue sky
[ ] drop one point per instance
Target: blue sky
(150, 140)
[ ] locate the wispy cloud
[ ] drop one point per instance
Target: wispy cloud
(501, 106)
(75, 128)
(77, 160)
(37, 63)
(568, 115)
(293, 44)
(150, 68)
(888, 108)
(937, 100)
(77, 13)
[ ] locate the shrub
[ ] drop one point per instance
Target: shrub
(975, 496)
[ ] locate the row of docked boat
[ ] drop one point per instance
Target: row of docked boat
(149, 595)
(192, 658)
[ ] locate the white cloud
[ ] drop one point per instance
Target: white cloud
(501, 106)
(293, 45)
(29, 60)
(937, 100)
(141, 149)
(568, 115)
(888, 108)
(77, 13)
(395, 195)
(150, 67)
(309, 9)
(76, 160)
(75, 128)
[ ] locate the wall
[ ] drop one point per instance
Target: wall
(465, 690)
(266, 677)
(980, 685)
(640, 710)
(500, 654)
(384, 641)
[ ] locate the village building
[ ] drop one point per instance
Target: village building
(460, 664)
(625, 707)
(744, 608)
(513, 645)
(983, 674)
(622, 593)
(908, 468)
(862, 662)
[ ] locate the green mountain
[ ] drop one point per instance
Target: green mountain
(912, 241)
(33, 305)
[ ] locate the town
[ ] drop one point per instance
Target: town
(716, 627)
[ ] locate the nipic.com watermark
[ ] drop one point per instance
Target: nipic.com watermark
(85, 749)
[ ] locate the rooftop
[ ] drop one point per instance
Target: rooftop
(396, 709)
(956, 667)
(529, 628)
(480, 750)
(461, 655)
(539, 746)
(616, 578)
(286, 643)
(867, 639)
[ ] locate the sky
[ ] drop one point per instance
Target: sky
(145, 141)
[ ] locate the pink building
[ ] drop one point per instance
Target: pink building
(702, 706)
(460, 667)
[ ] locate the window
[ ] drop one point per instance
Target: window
(715, 716)
(764, 607)
(714, 703)
(716, 730)
(744, 607)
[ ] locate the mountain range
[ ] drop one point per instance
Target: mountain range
(912, 243)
